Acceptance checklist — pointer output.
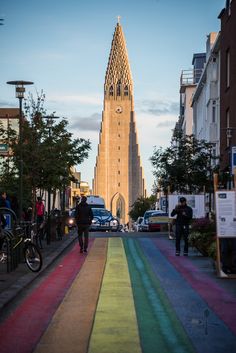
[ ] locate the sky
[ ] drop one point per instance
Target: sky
(63, 47)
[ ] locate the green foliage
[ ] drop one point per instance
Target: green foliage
(202, 236)
(141, 205)
(48, 153)
(185, 166)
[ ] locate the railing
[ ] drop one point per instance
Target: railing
(190, 77)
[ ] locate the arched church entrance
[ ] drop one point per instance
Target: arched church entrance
(118, 207)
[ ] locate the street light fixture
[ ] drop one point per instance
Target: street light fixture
(20, 90)
(49, 119)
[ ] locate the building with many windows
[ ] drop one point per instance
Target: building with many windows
(228, 86)
(118, 174)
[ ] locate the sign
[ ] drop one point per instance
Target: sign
(233, 159)
(159, 219)
(3, 147)
(196, 202)
(226, 213)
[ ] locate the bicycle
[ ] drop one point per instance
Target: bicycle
(16, 237)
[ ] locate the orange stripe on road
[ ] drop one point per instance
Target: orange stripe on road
(71, 325)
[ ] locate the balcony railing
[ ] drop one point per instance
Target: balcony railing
(190, 77)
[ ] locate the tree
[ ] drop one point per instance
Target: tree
(47, 157)
(141, 205)
(185, 166)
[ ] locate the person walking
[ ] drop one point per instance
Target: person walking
(184, 215)
(84, 216)
(40, 209)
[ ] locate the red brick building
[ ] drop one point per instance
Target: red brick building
(228, 84)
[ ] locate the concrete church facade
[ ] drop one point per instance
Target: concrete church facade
(118, 174)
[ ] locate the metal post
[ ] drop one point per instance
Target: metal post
(21, 162)
(49, 217)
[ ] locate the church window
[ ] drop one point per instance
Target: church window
(118, 171)
(118, 147)
(118, 184)
(118, 122)
(118, 135)
(118, 159)
(126, 91)
(118, 91)
(111, 91)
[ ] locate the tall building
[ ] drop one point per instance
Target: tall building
(118, 174)
(228, 87)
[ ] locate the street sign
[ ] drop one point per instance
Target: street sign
(3, 147)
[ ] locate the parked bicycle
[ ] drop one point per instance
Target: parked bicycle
(17, 237)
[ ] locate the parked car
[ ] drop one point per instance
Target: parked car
(104, 221)
(137, 224)
(152, 220)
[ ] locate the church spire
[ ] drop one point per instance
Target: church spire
(118, 80)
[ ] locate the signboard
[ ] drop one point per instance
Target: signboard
(197, 202)
(233, 158)
(159, 219)
(226, 213)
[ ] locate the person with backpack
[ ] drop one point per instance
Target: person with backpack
(84, 216)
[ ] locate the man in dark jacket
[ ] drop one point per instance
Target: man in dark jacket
(184, 215)
(84, 216)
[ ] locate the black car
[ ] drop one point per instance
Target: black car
(103, 220)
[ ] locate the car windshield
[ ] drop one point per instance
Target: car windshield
(100, 212)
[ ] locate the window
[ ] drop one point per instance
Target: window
(119, 172)
(214, 111)
(228, 129)
(119, 148)
(227, 68)
(111, 91)
(118, 122)
(118, 135)
(126, 91)
(118, 90)
(118, 184)
(118, 159)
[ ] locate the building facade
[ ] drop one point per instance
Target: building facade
(118, 174)
(206, 98)
(228, 85)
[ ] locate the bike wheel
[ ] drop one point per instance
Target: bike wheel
(33, 257)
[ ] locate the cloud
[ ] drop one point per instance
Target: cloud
(159, 107)
(89, 123)
(6, 104)
(167, 123)
(92, 99)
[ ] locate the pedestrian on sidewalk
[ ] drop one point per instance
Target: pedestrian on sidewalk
(84, 216)
(184, 215)
(40, 210)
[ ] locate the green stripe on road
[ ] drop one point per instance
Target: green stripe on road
(160, 330)
(115, 327)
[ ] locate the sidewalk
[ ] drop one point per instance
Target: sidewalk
(12, 283)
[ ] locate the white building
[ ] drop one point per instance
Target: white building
(206, 98)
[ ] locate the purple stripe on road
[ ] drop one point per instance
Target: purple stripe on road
(220, 301)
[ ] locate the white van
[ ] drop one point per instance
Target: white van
(95, 201)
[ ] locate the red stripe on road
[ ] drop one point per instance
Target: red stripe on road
(218, 299)
(23, 329)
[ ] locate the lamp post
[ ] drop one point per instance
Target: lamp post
(49, 126)
(20, 90)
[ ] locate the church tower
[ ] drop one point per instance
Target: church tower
(118, 174)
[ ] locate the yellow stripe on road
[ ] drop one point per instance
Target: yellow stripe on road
(115, 327)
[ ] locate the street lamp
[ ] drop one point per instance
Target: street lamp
(20, 90)
(49, 119)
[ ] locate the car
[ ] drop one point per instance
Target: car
(137, 224)
(152, 220)
(103, 220)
